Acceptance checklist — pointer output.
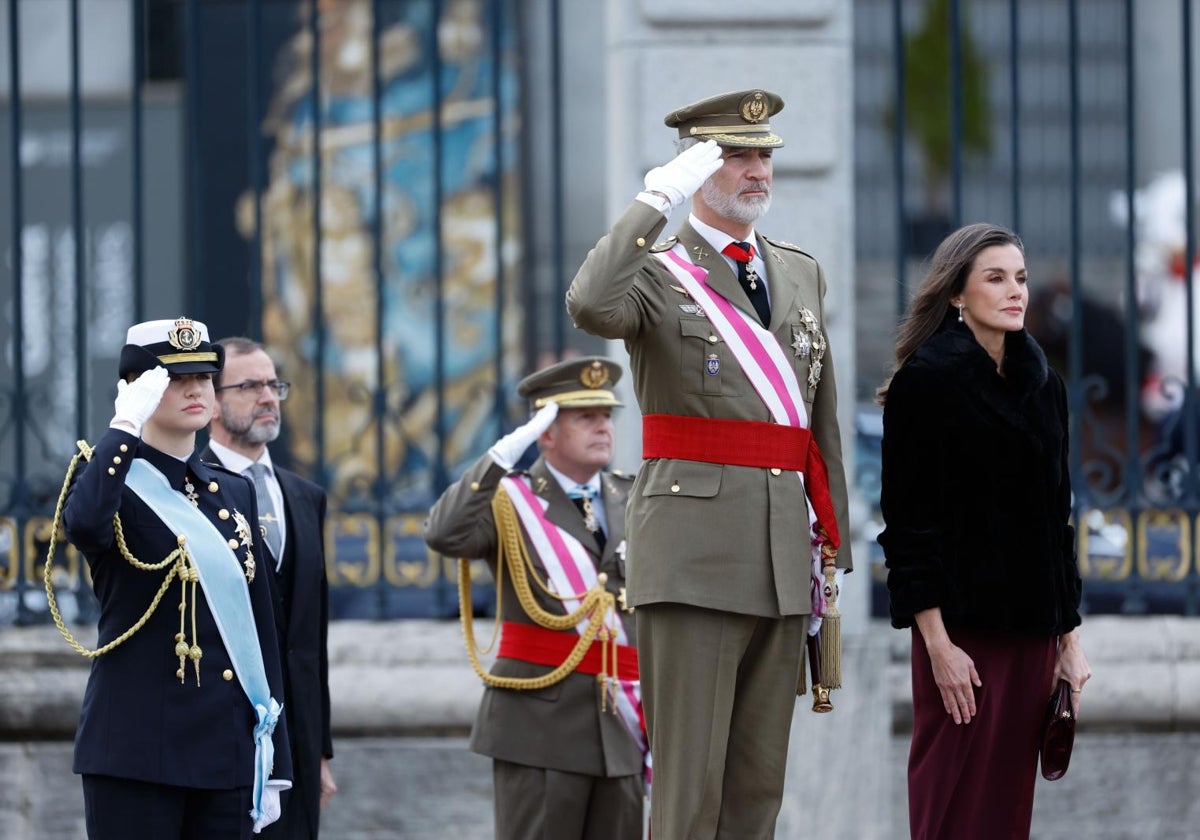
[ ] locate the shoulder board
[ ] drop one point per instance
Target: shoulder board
(666, 245)
(624, 476)
(788, 246)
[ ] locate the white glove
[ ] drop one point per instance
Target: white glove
(512, 446)
(137, 400)
(269, 805)
(681, 177)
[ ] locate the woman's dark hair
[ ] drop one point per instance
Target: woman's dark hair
(946, 278)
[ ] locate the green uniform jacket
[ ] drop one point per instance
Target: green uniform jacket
(560, 727)
(711, 535)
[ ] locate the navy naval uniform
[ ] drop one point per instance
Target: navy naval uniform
(178, 756)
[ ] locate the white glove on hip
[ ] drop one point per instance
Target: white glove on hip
(137, 400)
(681, 177)
(506, 451)
(270, 806)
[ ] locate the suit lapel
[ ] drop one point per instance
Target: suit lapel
(561, 511)
(300, 534)
(783, 286)
(721, 278)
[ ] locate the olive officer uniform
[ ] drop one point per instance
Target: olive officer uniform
(720, 563)
(566, 761)
(169, 742)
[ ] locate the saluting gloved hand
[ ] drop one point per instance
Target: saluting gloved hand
(512, 446)
(137, 400)
(681, 177)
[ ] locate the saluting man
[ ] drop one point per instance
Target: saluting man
(180, 734)
(728, 554)
(568, 750)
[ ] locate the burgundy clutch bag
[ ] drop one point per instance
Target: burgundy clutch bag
(1058, 734)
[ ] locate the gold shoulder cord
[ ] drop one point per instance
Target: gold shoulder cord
(179, 561)
(596, 604)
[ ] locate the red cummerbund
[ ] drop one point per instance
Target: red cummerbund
(540, 646)
(743, 443)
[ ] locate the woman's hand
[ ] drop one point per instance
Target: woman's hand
(953, 670)
(1072, 666)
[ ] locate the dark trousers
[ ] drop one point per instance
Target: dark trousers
(976, 780)
(537, 804)
(719, 691)
(126, 809)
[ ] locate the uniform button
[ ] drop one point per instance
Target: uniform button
(116, 459)
(775, 471)
(212, 487)
(227, 675)
(112, 471)
(223, 514)
(713, 339)
(474, 485)
(674, 488)
(124, 447)
(233, 543)
(640, 242)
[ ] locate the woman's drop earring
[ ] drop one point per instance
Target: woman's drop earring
(960, 309)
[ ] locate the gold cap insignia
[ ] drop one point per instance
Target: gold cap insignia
(184, 336)
(594, 375)
(754, 107)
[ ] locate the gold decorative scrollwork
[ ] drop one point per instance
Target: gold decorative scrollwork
(9, 556)
(1114, 527)
(357, 535)
(404, 530)
(1175, 525)
(37, 537)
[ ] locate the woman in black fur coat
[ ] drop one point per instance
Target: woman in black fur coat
(980, 554)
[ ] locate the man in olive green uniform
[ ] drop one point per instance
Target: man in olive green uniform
(569, 755)
(726, 335)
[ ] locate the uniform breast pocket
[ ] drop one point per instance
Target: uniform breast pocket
(704, 360)
(690, 479)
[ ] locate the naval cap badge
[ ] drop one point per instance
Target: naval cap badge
(184, 336)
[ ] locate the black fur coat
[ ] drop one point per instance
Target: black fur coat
(976, 489)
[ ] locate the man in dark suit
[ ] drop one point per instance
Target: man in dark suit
(568, 752)
(180, 724)
(292, 522)
(726, 334)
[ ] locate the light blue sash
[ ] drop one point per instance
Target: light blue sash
(228, 598)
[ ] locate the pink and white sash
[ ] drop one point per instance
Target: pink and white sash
(571, 573)
(766, 365)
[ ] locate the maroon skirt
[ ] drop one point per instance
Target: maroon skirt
(976, 780)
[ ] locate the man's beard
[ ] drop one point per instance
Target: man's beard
(732, 206)
(246, 430)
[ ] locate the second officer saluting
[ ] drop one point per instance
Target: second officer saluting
(561, 717)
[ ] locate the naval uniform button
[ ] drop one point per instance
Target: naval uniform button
(222, 514)
(112, 471)
(212, 487)
(640, 242)
(775, 471)
(233, 543)
(124, 447)
(227, 675)
(116, 459)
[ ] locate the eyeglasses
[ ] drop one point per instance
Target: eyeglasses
(255, 387)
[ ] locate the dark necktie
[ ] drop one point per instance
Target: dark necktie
(268, 517)
(754, 286)
(581, 495)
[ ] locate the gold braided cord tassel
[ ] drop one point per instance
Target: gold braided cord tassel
(831, 625)
(595, 604)
(174, 560)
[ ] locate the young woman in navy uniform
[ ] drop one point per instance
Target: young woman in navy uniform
(180, 734)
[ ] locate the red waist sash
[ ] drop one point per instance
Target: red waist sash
(744, 443)
(540, 646)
